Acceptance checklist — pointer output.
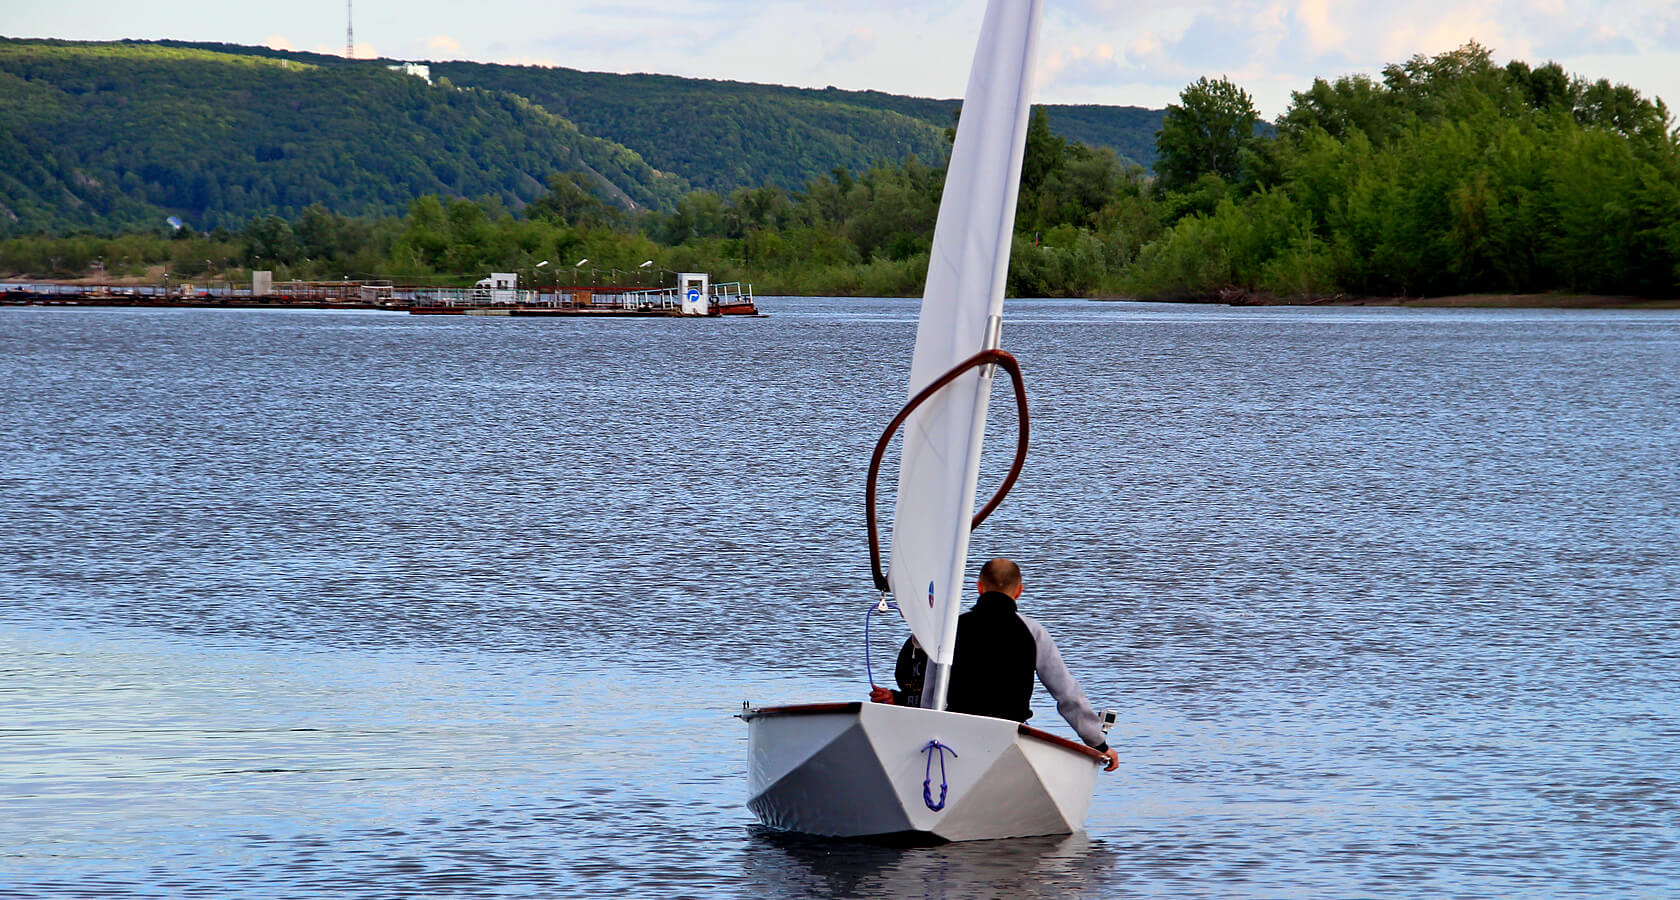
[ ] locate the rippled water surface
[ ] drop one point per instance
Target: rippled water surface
(349, 604)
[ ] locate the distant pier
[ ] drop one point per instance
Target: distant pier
(698, 300)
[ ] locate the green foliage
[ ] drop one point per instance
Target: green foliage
(718, 135)
(1205, 133)
(1127, 130)
(123, 135)
(725, 135)
(1067, 184)
(572, 199)
(1450, 176)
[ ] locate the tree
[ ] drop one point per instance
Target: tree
(1043, 153)
(1205, 133)
(1350, 103)
(270, 240)
(571, 200)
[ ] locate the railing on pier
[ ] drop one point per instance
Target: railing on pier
(732, 293)
(595, 299)
(380, 295)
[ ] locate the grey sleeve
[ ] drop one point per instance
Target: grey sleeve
(1070, 698)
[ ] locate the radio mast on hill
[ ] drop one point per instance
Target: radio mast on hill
(349, 32)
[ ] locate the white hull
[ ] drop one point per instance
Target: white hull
(857, 770)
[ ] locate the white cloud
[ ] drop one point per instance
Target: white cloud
(858, 44)
(1322, 30)
(445, 43)
(1450, 30)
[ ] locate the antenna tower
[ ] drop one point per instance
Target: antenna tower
(349, 32)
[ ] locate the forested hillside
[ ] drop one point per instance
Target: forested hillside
(723, 135)
(115, 135)
(1127, 130)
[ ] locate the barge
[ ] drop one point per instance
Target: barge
(694, 296)
(499, 295)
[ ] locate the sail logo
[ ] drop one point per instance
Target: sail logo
(930, 595)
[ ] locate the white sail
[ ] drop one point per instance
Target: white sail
(965, 283)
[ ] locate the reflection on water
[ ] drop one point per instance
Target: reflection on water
(299, 604)
(782, 865)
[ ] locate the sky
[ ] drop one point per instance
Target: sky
(1119, 52)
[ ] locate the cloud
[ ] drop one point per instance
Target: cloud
(853, 47)
(1074, 66)
(1450, 30)
(1587, 39)
(445, 43)
(1323, 33)
(1144, 44)
(278, 42)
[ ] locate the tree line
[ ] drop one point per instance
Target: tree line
(1448, 174)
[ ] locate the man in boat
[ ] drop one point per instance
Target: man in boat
(997, 654)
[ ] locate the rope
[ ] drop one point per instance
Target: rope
(983, 358)
(884, 605)
(927, 782)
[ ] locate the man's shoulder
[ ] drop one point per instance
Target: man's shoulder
(1033, 625)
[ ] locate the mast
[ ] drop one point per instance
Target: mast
(961, 314)
(936, 684)
(349, 32)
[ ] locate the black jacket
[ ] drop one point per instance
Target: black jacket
(992, 672)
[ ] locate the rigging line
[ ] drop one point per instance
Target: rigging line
(882, 606)
(983, 358)
(927, 781)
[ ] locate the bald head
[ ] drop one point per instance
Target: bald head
(1001, 575)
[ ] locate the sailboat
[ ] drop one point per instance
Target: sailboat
(875, 770)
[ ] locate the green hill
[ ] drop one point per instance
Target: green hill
(723, 135)
(118, 134)
(115, 135)
(719, 135)
(1128, 130)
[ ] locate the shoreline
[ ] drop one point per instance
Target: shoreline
(1227, 297)
(1451, 301)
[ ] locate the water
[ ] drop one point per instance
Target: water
(366, 605)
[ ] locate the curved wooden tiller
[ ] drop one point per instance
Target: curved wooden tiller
(984, 358)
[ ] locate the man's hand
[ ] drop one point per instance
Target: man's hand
(1113, 756)
(884, 695)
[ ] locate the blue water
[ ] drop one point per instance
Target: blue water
(370, 605)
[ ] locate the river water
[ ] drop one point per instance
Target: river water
(367, 605)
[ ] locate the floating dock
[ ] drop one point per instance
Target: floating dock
(694, 296)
